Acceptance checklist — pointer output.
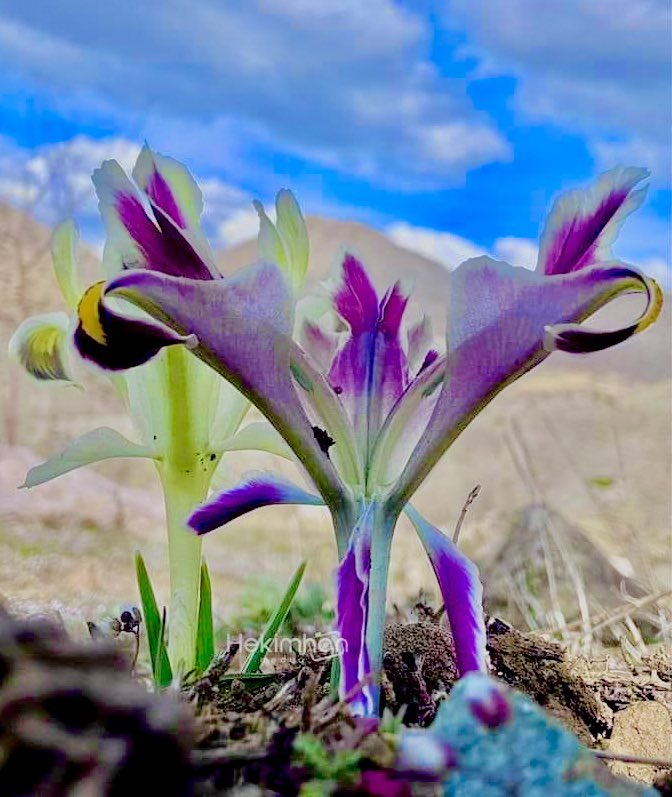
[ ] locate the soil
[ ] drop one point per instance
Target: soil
(59, 700)
(604, 707)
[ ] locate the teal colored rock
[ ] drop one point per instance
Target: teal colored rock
(500, 744)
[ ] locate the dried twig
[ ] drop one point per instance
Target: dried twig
(473, 495)
(628, 758)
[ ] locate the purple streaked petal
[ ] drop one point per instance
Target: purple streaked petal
(370, 371)
(243, 325)
(256, 490)
(141, 240)
(583, 224)
(169, 185)
(356, 299)
(352, 617)
(159, 192)
(462, 594)
(406, 423)
(502, 322)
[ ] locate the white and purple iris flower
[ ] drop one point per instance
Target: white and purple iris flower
(368, 406)
(186, 417)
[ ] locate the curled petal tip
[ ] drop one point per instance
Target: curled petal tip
(191, 342)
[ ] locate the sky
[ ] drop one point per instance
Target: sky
(449, 126)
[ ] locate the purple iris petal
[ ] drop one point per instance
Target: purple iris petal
(352, 615)
(159, 192)
(502, 322)
(256, 490)
(370, 371)
(356, 299)
(461, 591)
(583, 223)
(243, 325)
(164, 247)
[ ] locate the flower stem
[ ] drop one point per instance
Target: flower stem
(185, 473)
(381, 542)
(184, 556)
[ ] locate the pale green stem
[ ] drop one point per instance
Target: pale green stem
(185, 475)
(184, 555)
(381, 543)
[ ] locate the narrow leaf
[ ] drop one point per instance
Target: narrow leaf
(150, 612)
(94, 446)
(163, 674)
(205, 633)
(257, 656)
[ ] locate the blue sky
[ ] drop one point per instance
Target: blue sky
(448, 125)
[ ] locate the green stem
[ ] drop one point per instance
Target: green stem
(185, 471)
(381, 543)
(184, 555)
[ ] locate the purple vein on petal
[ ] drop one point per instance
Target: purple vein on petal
(461, 591)
(583, 223)
(159, 192)
(255, 491)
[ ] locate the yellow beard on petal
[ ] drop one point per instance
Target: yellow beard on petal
(89, 312)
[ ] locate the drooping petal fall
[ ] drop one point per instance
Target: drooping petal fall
(114, 341)
(40, 344)
(243, 328)
(502, 322)
(461, 591)
(255, 491)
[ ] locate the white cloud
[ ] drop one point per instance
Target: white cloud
(347, 84)
(240, 226)
(444, 247)
(53, 182)
(517, 251)
(660, 270)
(450, 250)
(598, 66)
(639, 152)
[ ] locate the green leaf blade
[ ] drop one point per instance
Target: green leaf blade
(257, 656)
(205, 632)
(154, 625)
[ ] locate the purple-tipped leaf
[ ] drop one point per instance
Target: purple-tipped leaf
(255, 491)
(461, 591)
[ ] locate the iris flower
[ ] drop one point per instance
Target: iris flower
(370, 410)
(186, 416)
